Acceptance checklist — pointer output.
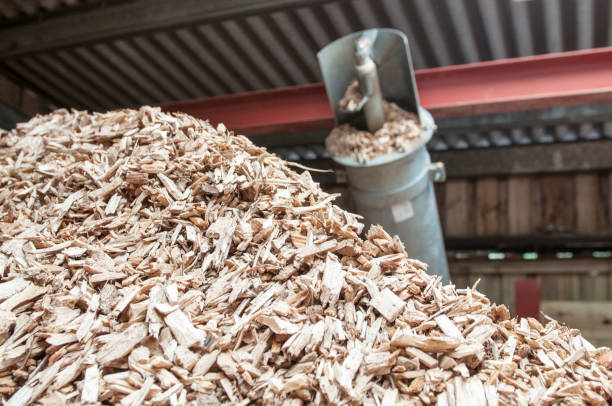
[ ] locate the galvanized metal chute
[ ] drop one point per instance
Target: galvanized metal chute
(394, 190)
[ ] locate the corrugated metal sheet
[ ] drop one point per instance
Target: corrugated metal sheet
(279, 49)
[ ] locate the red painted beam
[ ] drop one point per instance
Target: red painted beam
(527, 298)
(541, 81)
(271, 111)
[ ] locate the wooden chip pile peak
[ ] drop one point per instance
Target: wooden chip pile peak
(399, 133)
(151, 259)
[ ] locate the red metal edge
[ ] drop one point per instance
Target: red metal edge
(534, 82)
(271, 111)
(527, 298)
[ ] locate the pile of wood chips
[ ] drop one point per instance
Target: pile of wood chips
(151, 259)
(400, 130)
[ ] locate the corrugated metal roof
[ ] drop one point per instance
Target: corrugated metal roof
(13, 11)
(279, 49)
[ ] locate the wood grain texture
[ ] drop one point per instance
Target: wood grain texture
(587, 202)
(519, 205)
(487, 206)
(558, 197)
(457, 207)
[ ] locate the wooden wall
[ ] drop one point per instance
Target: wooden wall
(574, 203)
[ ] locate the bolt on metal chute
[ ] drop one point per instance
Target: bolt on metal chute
(394, 190)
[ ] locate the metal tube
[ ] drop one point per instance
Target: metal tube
(399, 195)
(396, 191)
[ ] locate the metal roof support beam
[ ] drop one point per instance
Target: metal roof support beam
(534, 82)
(530, 159)
(504, 161)
(128, 19)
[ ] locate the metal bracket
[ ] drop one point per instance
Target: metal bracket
(437, 172)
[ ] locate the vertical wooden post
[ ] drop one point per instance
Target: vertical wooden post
(527, 298)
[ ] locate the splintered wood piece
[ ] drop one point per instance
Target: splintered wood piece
(120, 344)
(333, 279)
(388, 304)
(30, 292)
(182, 329)
(12, 287)
(278, 325)
(448, 327)
(425, 343)
(205, 363)
(311, 250)
(423, 357)
(89, 392)
(378, 363)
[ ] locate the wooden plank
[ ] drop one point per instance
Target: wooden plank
(457, 207)
(550, 286)
(594, 286)
(507, 294)
(558, 203)
(575, 283)
(519, 205)
(603, 209)
(587, 200)
(540, 267)
(487, 206)
(502, 209)
(535, 207)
